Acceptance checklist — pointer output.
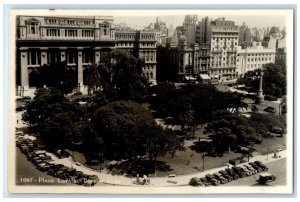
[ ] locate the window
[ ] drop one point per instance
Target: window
(34, 57)
(72, 56)
(87, 33)
(33, 28)
(70, 33)
(87, 56)
(53, 32)
(53, 56)
(87, 22)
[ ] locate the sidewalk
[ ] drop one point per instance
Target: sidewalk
(158, 181)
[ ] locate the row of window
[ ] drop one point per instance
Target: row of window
(148, 75)
(125, 36)
(260, 54)
(71, 33)
(54, 56)
(148, 37)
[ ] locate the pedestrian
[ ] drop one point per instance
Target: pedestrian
(138, 179)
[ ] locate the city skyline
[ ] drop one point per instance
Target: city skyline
(177, 20)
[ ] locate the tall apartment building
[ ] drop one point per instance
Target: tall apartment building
(203, 31)
(244, 35)
(254, 57)
(224, 42)
(203, 38)
(190, 27)
(80, 41)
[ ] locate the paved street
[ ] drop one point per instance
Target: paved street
(25, 171)
(277, 168)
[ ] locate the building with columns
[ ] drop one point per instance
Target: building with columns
(80, 41)
(254, 57)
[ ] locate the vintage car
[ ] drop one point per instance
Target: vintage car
(261, 165)
(226, 176)
(210, 178)
(219, 177)
(265, 178)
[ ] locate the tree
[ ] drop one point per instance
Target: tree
(44, 98)
(58, 121)
(58, 75)
(92, 78)
(274, 79)
(237, 103)
(129, 130)
(121, 74)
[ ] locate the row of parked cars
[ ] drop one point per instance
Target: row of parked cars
(38, 156)
(229, 174)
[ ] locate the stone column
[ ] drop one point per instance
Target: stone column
(44, 56)
(63, 54)
(97, 55)
(80, 70)
(260, 90)
(24, 68)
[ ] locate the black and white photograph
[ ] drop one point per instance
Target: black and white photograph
(151, 101)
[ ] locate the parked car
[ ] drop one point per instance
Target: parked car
(225, 175)
(205, 182)
(265, 178)
(261, 165)
(210, 178)
(270, 109)
(232, 173)
(239, 171)
(259, 169)
(278, 130)
(249, 167)
(247, 171)
(196, 181)
(219, 177)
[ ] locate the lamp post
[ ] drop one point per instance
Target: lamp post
(100, 160)
(203, 165)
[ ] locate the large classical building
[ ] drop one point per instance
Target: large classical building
(80, 41)
(254, 57)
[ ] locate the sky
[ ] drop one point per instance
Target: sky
(177, 20)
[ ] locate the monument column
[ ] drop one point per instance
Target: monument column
(80, 70)
(260, 90)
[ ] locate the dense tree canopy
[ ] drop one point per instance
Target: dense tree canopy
(129, 130)
(121, 76)
(274, 79)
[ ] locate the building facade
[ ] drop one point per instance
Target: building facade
(280, 56)
(224, 42)
(244, 35)
(80, 41)
(190, 27)
(254, 57)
